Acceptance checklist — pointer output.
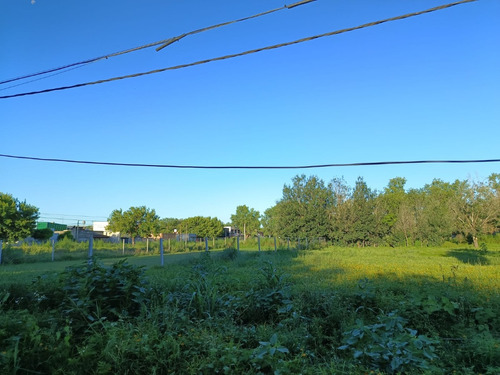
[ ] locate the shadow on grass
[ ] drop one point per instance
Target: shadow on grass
(473, 257)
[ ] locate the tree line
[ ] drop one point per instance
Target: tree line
(394, 216)
(309, 207)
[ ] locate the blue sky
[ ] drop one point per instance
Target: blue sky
(427, 87)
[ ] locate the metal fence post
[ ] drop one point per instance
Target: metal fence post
(161, 252)
(258, 241)
(91, 246)
(53, 249)
(238, 243)
(206, 243)
(1, 246)
(275, 248)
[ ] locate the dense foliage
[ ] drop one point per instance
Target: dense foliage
(136, 222)
(17, 219)
(395, 216)
(247, 220)
(42, 234)
(202, 226)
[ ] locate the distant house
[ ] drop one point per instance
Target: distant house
(186, 237)
(99, 230)
(231, 232)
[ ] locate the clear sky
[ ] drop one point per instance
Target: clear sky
(426, 87)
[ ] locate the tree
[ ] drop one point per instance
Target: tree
(17, 219)
(477, 208)
(362, 213)
(203, 226)
(247, 219)
(388, 207)
(136, 222)
(169, 225)
(42, 234)
(434, 215)
(269, 222)
(303, 211)
(339, 213)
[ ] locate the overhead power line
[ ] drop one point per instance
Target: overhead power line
(162, 44)
(251, 167)
(275, 46)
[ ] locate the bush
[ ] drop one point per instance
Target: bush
(389, 346)
(65, 235)
(42, 234)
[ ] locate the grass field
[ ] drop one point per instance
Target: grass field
(330, 311)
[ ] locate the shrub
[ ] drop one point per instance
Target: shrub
(389, 346)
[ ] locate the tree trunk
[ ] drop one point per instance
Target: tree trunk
(476, 242)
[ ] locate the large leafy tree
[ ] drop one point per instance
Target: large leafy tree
(136, 222)
(269, 222)
(203, 226)
(362, 215)
(169, 225)
(340, 212)
(476, 208)
(434, 215)
(246, 219)
(303, 211)
(389, 208)
(17, 219)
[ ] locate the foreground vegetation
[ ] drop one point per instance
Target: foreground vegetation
(329, 311)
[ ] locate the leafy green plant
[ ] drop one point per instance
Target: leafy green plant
(270, 299)
(389, 346)
(205, 298)
(95, 292)
(268, 356)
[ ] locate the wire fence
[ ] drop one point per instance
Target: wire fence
(66, 249)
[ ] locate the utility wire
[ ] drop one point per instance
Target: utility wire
(43, 77)
(163, 43)
(307, 39)
(251, 167)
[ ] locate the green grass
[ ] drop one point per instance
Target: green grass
(258, 313)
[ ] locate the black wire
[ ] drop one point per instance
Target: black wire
(164, 43)
(275, 46)
(251, 167)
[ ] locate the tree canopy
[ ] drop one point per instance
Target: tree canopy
(136, 222)
(17, 219)
(247, 220)
(203, 226)
(395, 216)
